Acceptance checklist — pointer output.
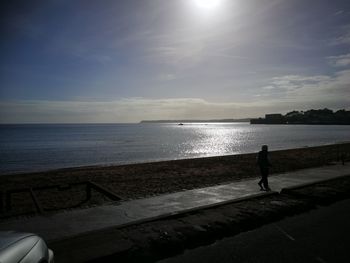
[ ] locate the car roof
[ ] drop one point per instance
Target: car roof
(7, 238)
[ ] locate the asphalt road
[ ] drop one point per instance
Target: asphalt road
(321, 235)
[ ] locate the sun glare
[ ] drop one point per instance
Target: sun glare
(208, 4)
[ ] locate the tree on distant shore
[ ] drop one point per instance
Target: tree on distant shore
(321, 116)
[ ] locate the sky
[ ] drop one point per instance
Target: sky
(108, 61)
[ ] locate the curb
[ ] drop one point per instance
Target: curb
(155, 240)
(285, 189)
(198, 208)
(169, 215)
(237, 200)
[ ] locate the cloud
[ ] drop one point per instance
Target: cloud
(338, 13)
(290, 83)
(322, 92)
(178, 48)
(311, 91)
(166, 77)
(340, 61)
(87, 49)
(344, 38)
(123, 110)
(128, 110)
(282, 94)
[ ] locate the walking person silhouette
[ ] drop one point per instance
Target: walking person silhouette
(264, 164)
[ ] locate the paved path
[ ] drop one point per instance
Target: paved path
(319, 236)
(67, 224)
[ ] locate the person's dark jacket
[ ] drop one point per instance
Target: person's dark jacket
(263, 160)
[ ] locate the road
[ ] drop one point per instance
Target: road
(321, 235)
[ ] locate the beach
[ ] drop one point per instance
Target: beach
(148, 179)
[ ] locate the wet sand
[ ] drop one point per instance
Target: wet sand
(148, 179)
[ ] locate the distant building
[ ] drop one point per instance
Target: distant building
(312, 117)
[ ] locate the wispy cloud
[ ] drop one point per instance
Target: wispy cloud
(338, 13)
(312, 92)
(87, 49)
(343, 38)
(166, 77)
(124, 110)
(340, 61)
(291, 83)
(321, 90)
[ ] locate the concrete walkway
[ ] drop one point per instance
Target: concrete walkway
(67, 224)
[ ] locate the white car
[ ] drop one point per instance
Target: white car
(18, 247)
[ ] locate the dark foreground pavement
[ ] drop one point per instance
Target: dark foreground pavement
(167, 237)
(66, 225)
(322, 235)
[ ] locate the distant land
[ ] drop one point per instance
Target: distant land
(316, 117)
(196, 121)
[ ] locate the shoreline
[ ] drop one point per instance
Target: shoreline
(133, 181)
(112, 165)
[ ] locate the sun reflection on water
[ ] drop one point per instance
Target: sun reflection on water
(211, 140)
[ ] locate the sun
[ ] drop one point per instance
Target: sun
(208, 4)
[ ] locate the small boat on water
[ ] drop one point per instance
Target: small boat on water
(180, 124)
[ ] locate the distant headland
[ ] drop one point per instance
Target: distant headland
(320, 117)
(195, 121)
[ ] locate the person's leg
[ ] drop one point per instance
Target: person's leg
(265, 180)
(267, 187)
(261, 182)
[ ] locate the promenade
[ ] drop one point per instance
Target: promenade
(63, 225)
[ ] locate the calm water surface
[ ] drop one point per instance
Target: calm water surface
(26, 148)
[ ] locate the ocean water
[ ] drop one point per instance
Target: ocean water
(27, 148)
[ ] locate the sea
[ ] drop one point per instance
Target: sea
(40, 147)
